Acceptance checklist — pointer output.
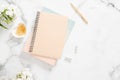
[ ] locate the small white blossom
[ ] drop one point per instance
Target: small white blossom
(7, 14)
(10, 13)
(24, 75)
(27, 72)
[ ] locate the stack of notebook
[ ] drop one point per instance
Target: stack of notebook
(49, 35)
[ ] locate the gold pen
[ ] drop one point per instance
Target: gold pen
(79, 13)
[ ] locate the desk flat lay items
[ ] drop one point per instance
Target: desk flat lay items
(49, 35)
(79, 13)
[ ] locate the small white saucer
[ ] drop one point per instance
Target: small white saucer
(15, 35)
(19, 20)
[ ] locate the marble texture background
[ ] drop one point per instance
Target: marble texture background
(97, 44)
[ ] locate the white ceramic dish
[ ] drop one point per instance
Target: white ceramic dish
(16, 23)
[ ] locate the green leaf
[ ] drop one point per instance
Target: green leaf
(10, 18)
(3, 26)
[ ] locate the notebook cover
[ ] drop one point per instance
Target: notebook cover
(71, 23)
(49, 38)
(44, 59)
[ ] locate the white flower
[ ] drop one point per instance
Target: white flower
(10, 13)
(27, 72)
(15, 10)
(25, 75)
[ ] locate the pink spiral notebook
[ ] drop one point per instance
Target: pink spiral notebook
(48, 38)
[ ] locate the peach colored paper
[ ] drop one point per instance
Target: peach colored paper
(46, 60)
(50, 35)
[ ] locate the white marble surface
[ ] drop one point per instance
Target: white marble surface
(98, 43)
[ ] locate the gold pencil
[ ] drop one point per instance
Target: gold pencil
(79, 13)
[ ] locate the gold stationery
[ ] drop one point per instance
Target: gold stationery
(79, 13)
